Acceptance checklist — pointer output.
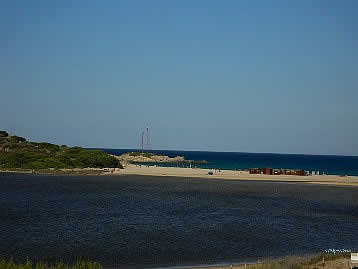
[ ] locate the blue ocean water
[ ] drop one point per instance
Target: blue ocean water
(328, 164)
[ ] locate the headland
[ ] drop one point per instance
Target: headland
(147, 157)
(19, 155)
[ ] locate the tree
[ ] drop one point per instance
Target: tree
(3, 134)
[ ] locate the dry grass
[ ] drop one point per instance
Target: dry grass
(337, 260)
(4, 264)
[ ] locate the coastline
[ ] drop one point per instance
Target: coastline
(287, 262)
(146, 170)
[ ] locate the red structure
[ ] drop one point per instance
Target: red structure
(274, 171)
(300, 173)
(267, 171)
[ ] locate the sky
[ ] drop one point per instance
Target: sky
(245, 76)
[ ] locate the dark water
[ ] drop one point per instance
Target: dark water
(147, 221)
(328, 164)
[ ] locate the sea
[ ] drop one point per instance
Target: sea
(132, 221)
(323, 164)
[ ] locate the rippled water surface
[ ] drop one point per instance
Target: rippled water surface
(148, 221)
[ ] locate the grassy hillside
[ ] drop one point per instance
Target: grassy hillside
(16, 152)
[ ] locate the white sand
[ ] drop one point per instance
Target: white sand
(132, 169)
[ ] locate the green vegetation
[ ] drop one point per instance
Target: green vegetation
(143, 154)
(299, 262)
(41, 265)
(327, 257)
(3, 134)
(16, 152)
(286, 263)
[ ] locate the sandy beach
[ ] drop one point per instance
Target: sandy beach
(131, 169)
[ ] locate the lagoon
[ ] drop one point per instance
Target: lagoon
(144, 221)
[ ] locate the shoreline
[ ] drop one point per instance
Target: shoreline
(329, 260)
(147, 170)
(144, 170)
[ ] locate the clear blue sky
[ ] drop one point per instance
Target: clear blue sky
(253, 76)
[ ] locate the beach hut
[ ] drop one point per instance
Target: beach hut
(300, 172)
(267, 171)
(276, 171)
(255, 171)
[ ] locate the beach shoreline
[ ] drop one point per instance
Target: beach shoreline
(180, 172)
(144, 170)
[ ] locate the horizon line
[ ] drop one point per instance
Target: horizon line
(214, 151)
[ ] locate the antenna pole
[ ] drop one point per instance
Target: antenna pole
(142, 141)
(148, 141)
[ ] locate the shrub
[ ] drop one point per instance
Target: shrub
(46, 155)
(3, 134)
(17, 139)
(14, 160)
(49, 146)
(144, 154)
(134, 154)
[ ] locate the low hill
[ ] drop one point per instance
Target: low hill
(147, 157)
(17, 152)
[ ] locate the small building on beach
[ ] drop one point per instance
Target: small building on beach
(255, 171)
(267, 171)
(300, 172)
(275, 171)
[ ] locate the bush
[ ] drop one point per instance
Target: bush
(144, 154)
(49, 146)
(134, 154)
(3, 134)
(14, 160)
(17, 139)
(31, 155)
